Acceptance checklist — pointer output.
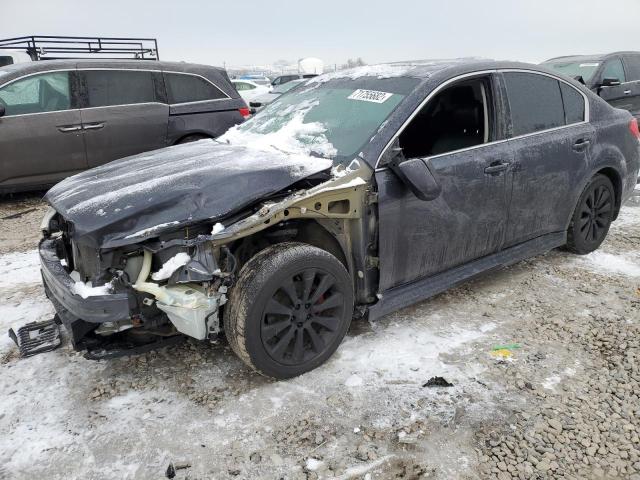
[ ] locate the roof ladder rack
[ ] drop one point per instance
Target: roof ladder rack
(42, 47)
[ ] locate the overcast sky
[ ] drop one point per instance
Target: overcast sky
(245, 32)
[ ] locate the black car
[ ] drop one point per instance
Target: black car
(59, 117)
(614, 76)
(359, 193)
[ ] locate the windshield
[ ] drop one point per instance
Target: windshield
(332, 119)
(584, 68)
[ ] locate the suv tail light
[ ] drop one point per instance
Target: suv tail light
(246, 113)
(633, 126)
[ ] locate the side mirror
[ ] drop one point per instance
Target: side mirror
(415, 174)
(2, 110)
(610, 82)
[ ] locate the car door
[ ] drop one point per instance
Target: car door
(551, 140)
(467, 219)
(123, 113)
(619, 96)
(40, 133)
(632, 85)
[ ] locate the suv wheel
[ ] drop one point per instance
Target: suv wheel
(592, 217)
(289, 309)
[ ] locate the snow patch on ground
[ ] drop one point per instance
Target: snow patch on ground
(620, 264)
(171, 265)
(26, 263)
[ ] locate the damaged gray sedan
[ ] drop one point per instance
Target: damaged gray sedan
(357, 194)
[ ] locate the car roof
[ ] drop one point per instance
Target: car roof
(596, 57)
(424, 69)
(104, 63)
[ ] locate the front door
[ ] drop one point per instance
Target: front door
(619, 96)
(40, 133)
(551, 143)
(455, 135)
(122, 114)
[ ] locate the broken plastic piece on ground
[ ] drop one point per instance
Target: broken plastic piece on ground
(437, 382)
(171, 472)
(37, 337)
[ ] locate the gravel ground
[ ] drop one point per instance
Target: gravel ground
(559, 400)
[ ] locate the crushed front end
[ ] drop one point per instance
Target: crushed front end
(110, 305)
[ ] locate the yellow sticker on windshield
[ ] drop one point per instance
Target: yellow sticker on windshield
(370, 96)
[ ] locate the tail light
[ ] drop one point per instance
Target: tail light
(246, 113)
(633, 126)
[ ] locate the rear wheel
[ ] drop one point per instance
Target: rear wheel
(289, 310)
(592, 217)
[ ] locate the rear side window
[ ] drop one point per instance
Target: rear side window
(613, 69)
(573, 104)
(183, 88)
(240, 86)
(535, 102)
(45, 92)
(116, 87)
(5, 60)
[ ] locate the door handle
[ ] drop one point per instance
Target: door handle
(93, 126)
(495, 168)
(581, 144)
(70, 128)
(627, 92)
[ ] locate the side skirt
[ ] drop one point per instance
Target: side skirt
(405, 295)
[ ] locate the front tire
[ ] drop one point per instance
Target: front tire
(289, 309)
(592, 216)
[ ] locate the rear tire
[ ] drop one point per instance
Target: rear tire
(289, 309)
(592, 216)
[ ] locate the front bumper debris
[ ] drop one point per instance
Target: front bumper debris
(59, 289)
(37, 337)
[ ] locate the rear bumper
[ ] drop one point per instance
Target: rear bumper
(69, 306)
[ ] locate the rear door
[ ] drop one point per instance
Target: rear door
(123, 113)
(40, 133)
(552, 141)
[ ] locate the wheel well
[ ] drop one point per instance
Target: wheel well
(309, 232)
(613, 175)
(192, 134)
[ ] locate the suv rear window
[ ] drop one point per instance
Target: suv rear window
(118, 87)
(185, 88)
(5, 60)
(535, 101)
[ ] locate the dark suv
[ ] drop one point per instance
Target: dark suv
(60, 117)
(614, 76)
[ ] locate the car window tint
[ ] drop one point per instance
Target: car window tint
(632, 66)
(613, 69)
(573, 104)
(47, 92)
(455, 119)
(535, 101)
(5, 60)
(115, 87)
(183, 88)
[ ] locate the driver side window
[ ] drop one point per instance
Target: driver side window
(458, 117)
(46, 92)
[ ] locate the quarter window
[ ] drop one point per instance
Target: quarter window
(573, 104)
(535, 102)
(183, 88)
(240, 86)
(46, 92)
(114, 87)
(614, 69)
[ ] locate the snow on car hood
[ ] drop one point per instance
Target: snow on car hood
(138, 197)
